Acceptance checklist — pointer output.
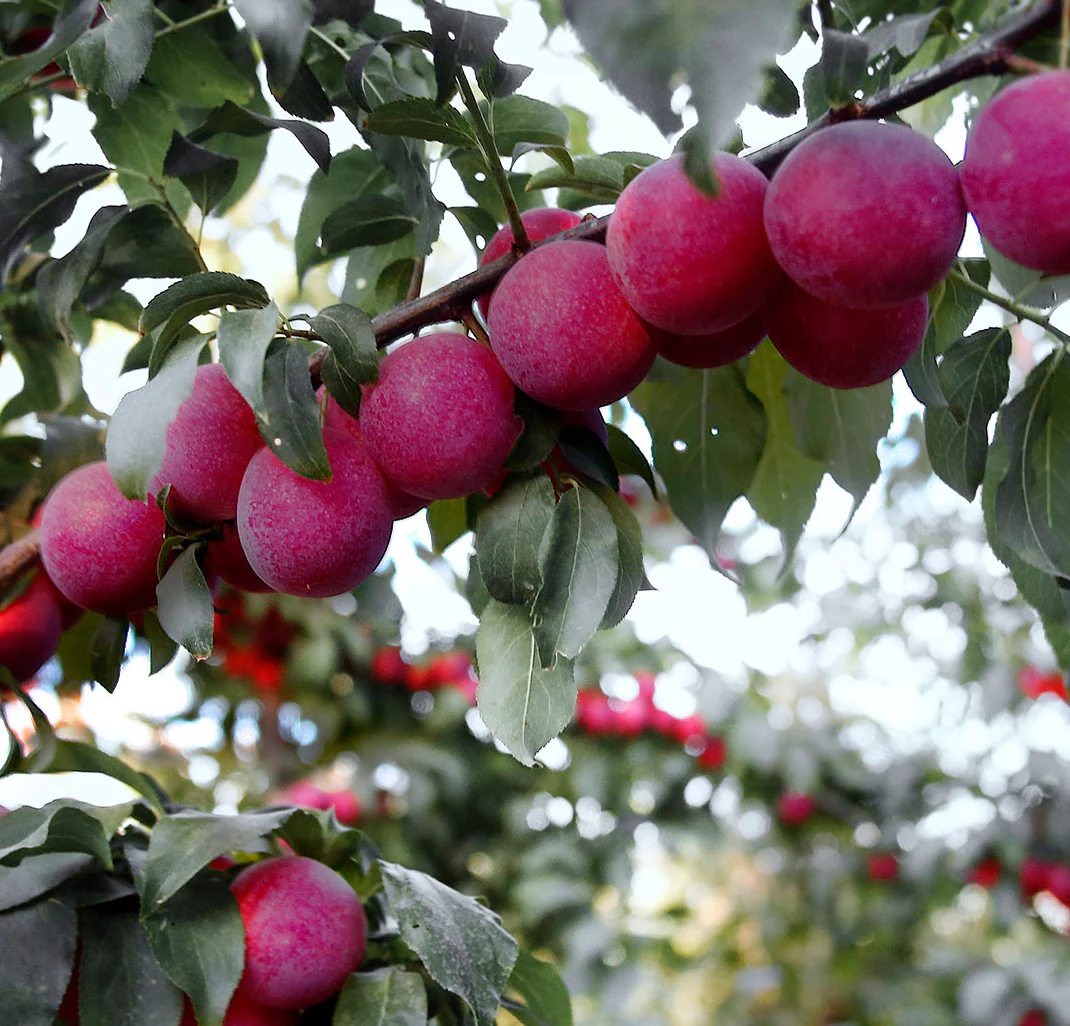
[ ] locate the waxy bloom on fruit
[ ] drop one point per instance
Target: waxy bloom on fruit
(716, 349)
(30, 629)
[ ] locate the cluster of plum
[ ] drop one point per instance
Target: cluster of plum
(305, 932)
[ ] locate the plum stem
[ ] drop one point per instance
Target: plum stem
(1022, 312)
(1064, 35)
(471, 322)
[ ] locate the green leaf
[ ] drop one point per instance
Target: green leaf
(72, 21)
(199, 941)
(291, 426)
(546, 998)
(630, 573)
(698, 160)
(372, 275)
(304, 97)
(841, 428)
(383, 997)
(785, 485)
(522, 704)
(478, 224)
(512, 538)
(208, 176)
(844, 61)
(780, 96)
(119, 980)
(629, 459)
(107, 651)
(974, 376)
(190, 68)
(461, 943)
(520, 119)
(708, 433)
(419, 118)
(111, 57)
(580, 574)
(162, 649)
(584, 452)
(906, 32)
(598, 177)
(185, 842)
(79, 757)
(34, 204)
(354, 357)
(137, 436)
(61, 826)
(145, 244)
(38, 943)
(40, 874)
(244, 337)
(280, 26)
(447, 520)
(185, 605)
(542, 425)
(371, 221)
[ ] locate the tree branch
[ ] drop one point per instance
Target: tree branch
(18, 556)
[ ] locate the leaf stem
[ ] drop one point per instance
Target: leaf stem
(324, 38)
(176, 26)
(490, 155)
(1022, 312)
(471, 322)
(416, 282)
(1064, 35)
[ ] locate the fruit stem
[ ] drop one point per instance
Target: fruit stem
(1023, 313)
(1064, 35)
(416, 282)
(471, 322)
(17, 557)
(490, 155)
(175, 26)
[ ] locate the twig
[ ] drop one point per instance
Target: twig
(18, 556)
(471, 322)
(416, 282)
(1023, 313)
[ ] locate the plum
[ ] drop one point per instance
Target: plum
(243, 1011)
(716, 349)
(30, 629)
(226, 559)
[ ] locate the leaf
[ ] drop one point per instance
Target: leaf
(230, 118)
(61, 826)
(383, 997)
(185, 605)
(844, 61)
(580, 575)
(461, 943)
(190, 67)
(280, 26)
(107, 651)
(419, 118)
(199, 941)
(780, 96)
(162, 649)
(371, 221)
(354, 358)
(72, 21)
(119, 980)
(974, 376)
(291, 426)
(542, 425)
(584, 451)
(523, 705)
(698, 160)
(785, 484)
(79, 757)
(447, 520)
(1035, 428)
(708, 434)
(38, 875)
(629, 459)
(36, 203)
(208, 176)
(630, 573)
(512, 537)
(244, 337)
(372, 280)
(520, 119)
(304, 97)
(597, 177)
(545, 995)
(112, 56)
(478, 224)
(145, 244)
(841, 428)
(137, 436)
(185, 842)
(906, 32)
(38, 943)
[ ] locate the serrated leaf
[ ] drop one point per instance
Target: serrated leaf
(280, 26)
(546, 998)
(780, 96)
(111, 57)
(785, 484)
(291, 425)
(844, 60)
(630, 572)
(137, 435)
(107, 650)
(61, 826)
(522, 704)
(38, 875)
(584, 451)
(708, 434)
(185, 605)
(542, 425)
(371, 221)
(598, 177)
(461, 943)
(36, 203)
(304, 97)
(464, 38)
(199, 941)
(478, 224)
(389, 996)
(38, 942)
(580, 575)
(70, 23)
(244, 337)
(974, 376)
(419, 118)
(906, 32)
(629, 458)
(512, 538)
(521, 119)
(145, 244)
(190, 67)
(208, 176)
(354, 357)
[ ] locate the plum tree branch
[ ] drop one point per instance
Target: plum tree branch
(18, 556)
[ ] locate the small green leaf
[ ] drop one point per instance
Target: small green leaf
(280, 27)
(291, 426)
(419, 118)
(371, 221)
(111, 57)
(584, 451)
(60, 826)
(383, 997)
(244, 337)
(629, 459)
(512, 538)
(447, 520)
(145, 244)
(461, 943)
(546, 998)
(844, 60)
(520, 119)
(630, 573)
(208, 176)
(522, 704)
(780, 96)
(906, 32)
(542, 425)
(162, 649)
(698, 160)
(79, 757)
(598, 177)
(38, 942)
(354, 357)
(185, 605)
(107, 651)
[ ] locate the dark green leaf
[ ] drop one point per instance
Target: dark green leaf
(145, 244)
(629, 459)
(304, 97)
(698, 161)
(38, 875)
(545, 995)
(630, 571)
(371, 221)
(974, 376)
(373, 279)
(844, 60)
(447, 520)
(162, 649)
(459, 38)
(522, 704)
(72, 21)
(119, 980)
(280, 27)
(354, 358)
(906, 32)
(585, 452)
(461, 943)
(520, 119)
(185, 605)
(598, 177)
(36, 203)
(708, 433)
(107, 651)
(199, 941)
(512, 538)
(62, 825)
(208, 176)
(38, 944)
(780, 97)
(383, 997)
(542, 425)
(190, 67)
(111, 57)
(244, 337)
(292, 415)
(419, 118)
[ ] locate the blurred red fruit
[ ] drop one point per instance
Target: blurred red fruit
(1034, 1017)
(1059, 883)
(689, 729)
(388, 667)
(450, 667)
(1033, 683)
(712, 757)
(593, 712)
(882, 867)
(794, 809)
(1033, 876)
(986, 873)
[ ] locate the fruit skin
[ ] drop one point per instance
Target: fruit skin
(563, 330)
(98, 547)
(713, 756)
(227, 559)
(842, 347)
(690, 263)
(440, 421)
(315, 538)
(716, 349)
(30, 629)
(1033, 683)
(1059, 883)
(540, 224)
(882, 867)
(794, 809)
(986, 873)
(1016, 174)
(209, 444)
(866, 215)
(347, 806)
(1034, 1017)
(1033, 876)
(304, 931)
(242, 1011)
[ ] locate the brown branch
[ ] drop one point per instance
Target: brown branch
(17, 557)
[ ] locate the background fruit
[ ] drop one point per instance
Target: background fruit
(30, 629)
(716, 349)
